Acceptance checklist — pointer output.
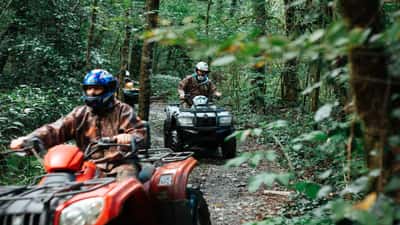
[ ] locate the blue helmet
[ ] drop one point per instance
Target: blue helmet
(104, 79)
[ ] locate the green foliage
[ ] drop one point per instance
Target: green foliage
(165, 86)
(22, 110)
(323, 151)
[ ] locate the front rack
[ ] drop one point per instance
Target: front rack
(164, 155)
(53, 190)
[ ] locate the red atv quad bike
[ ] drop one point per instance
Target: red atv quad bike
(75, 192)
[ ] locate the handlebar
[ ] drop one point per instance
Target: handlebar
(35, 145)
(30, 146)
(106, 142)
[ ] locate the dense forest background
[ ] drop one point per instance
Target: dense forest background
(316, 79)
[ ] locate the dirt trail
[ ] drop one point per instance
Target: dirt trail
(225, 190)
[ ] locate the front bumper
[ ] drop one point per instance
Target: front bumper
(204, 136)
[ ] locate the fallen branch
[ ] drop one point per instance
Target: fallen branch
(272, 192)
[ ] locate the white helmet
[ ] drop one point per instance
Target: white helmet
(203, 66)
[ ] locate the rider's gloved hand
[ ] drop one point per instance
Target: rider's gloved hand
(123, 138)
(17, 143)
(182, 97)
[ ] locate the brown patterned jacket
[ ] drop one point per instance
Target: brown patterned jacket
(189, 85)
(84, 126)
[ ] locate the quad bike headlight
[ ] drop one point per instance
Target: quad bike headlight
(185, 121)
(225, 120)
(83, 212)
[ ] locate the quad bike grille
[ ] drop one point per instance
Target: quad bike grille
(206, 122)
(24, 219)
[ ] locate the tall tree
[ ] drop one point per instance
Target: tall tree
(152, 7)
(374, 90)
(6, 40)
(91, 34)
(233, 8)
(258, 81)
(290, 81)
(125, 49)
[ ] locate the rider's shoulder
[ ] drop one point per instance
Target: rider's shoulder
(189, 77)
(122, 105)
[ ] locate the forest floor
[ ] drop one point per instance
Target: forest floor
(225, 189)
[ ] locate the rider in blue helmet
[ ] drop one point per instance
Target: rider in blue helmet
(99, 87)
(103, 115)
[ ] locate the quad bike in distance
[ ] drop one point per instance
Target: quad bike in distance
(203, 126)
(131, 96)
(75, 192)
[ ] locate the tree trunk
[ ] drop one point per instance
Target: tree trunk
(374, 91)
(136, 52)
(290, 80)
(146, 61)
(233, 9)
(6, 40)
(210, 2)
(91, 35)
(125, 53)
(290, 92)
(156, 58)
(315, 71)
(258, 82)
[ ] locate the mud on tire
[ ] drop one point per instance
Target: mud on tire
(199, 207)
(229, 148)
(172, 139)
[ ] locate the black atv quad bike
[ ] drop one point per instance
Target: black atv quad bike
(204, 126)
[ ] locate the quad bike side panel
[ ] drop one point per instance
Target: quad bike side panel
(63, 158)
(118, 196)
(169, 181)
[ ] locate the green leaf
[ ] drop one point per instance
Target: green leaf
(323, 112)
(325, 174)
(316, 35)
(393, 185)
(277, 41)
(255, 160)
(297, 147)
(312, 136)
(270, 155)
(357, 186)
(257, 132)
(277, 124)
(258, 180)
(238, 160)
(364, 217)
(324, 191)
(18, 124)
(284, 178)
(308, 188)
(224, 60)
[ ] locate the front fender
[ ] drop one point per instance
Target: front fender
(115, 196)
(169, 181)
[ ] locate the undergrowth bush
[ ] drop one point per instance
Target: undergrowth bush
(24, 109)
(165, 86)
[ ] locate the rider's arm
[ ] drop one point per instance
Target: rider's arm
(54, 133)
(181, 88)
(131, 126)
(213, 90)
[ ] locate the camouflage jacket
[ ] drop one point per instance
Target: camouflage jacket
(191, 86)
(84, 126)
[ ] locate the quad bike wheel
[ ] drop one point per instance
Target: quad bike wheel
(229, 148)
(167, 143)
(199, 208)
(172, 139)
